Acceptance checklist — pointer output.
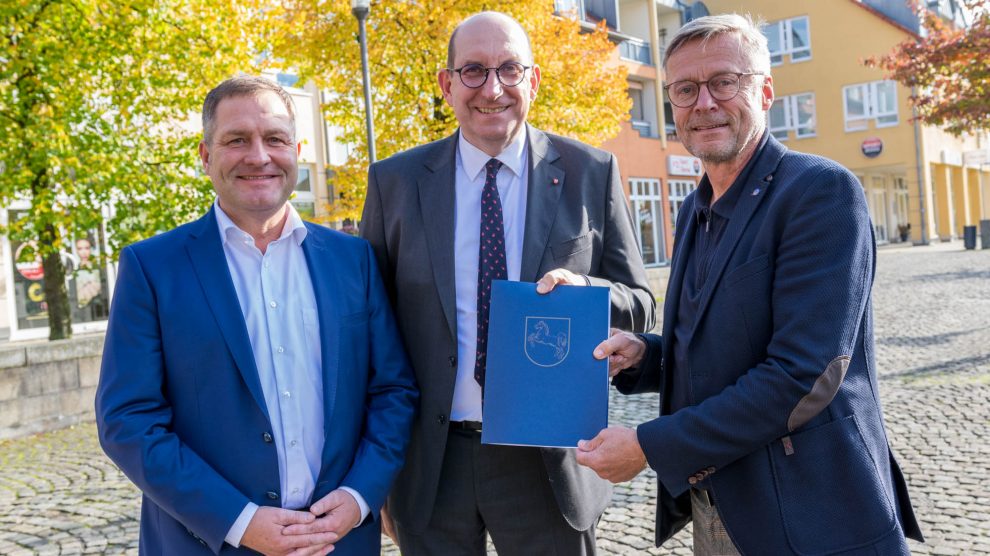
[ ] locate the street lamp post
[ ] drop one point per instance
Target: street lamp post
(360, 9)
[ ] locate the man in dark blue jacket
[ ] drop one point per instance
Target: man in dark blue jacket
(770, 435)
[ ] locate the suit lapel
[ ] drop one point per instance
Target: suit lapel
(546, 181)
(328, 312)
(756, 189)
(437, 206)
(210, 265)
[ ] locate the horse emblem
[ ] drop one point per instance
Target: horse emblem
(548, 340)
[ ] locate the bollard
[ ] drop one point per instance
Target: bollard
(985, 234)
(969, 237)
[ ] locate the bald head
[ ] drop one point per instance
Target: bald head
(482, 22)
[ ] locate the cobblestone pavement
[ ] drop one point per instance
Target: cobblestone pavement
(60, 495)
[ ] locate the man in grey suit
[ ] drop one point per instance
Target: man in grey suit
(497, 199)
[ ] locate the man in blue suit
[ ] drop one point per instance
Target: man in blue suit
(770, 436)
(254, 386)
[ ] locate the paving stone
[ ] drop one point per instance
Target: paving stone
(60, 495)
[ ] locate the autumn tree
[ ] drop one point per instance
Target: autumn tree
(582, 94)
(948, 69)
(92, 98)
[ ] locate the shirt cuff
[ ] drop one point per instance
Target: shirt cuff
(362, 505)
(237, 530)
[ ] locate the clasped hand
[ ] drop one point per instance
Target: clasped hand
(299, 533)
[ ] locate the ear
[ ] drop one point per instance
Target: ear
(534, 81)
(204, 155)
(767, 90)
(443, 78)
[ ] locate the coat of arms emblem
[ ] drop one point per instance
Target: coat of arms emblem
(548, 340)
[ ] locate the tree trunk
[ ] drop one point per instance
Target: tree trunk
(56, 294)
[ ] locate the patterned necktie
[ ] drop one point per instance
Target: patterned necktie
(491, 261)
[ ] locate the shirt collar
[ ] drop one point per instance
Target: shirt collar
(727, 202)
(229, 231)
(473, 159)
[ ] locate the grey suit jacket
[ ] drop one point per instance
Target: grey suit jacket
(576, 218)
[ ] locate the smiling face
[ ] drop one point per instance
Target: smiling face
(252, 156)
(720, 132)
(492, 115)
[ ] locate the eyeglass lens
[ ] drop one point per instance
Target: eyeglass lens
(509, 74)
(721, 87)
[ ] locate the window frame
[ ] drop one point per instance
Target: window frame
(783, 30)
(648, 192)
(790, 105)
(871, 93)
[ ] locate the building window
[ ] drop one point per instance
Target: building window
(304, 183)
(637, 115)
(792, 113)
(679, 190)
(789, 37)
(646, 208)
(303, 198)
(870, 101)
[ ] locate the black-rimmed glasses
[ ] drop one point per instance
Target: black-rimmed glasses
(723, 87)
(508, 74)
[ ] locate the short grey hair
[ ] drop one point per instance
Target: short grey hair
(241, 85)
(751, 38)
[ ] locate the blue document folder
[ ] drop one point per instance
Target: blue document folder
(542, 385)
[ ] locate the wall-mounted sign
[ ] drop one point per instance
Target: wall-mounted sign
(678, 165)
(872, 147)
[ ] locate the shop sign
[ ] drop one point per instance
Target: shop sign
(678, 165)
(872, 147)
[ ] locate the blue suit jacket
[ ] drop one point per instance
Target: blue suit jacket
(785, 430)
(180, 407)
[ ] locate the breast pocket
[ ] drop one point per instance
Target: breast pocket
(749, 269)
(572, 252)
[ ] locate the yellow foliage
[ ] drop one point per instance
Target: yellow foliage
(582, 94)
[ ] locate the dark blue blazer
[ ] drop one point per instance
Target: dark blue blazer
(180, 408)
(785, 428)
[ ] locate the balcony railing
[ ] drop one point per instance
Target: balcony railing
(636, 50)
(642, 127)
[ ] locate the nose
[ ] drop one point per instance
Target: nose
(705, 100)
(257, 153)
(492, 87)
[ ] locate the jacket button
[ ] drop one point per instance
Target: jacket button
(692, 480)
(710, 470)
(272, 495)
(442, 419)
(453, 360)
(267, 437)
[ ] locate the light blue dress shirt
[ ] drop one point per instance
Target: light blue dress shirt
(276, 296)
(469, 181)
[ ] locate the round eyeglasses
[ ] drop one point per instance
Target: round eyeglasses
(508, 74)
(723, 87)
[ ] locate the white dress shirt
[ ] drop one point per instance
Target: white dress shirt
(276, 296)
(469, 182)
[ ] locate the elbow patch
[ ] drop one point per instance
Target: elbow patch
(821, 393)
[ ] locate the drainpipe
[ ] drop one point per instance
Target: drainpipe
(922, 199)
